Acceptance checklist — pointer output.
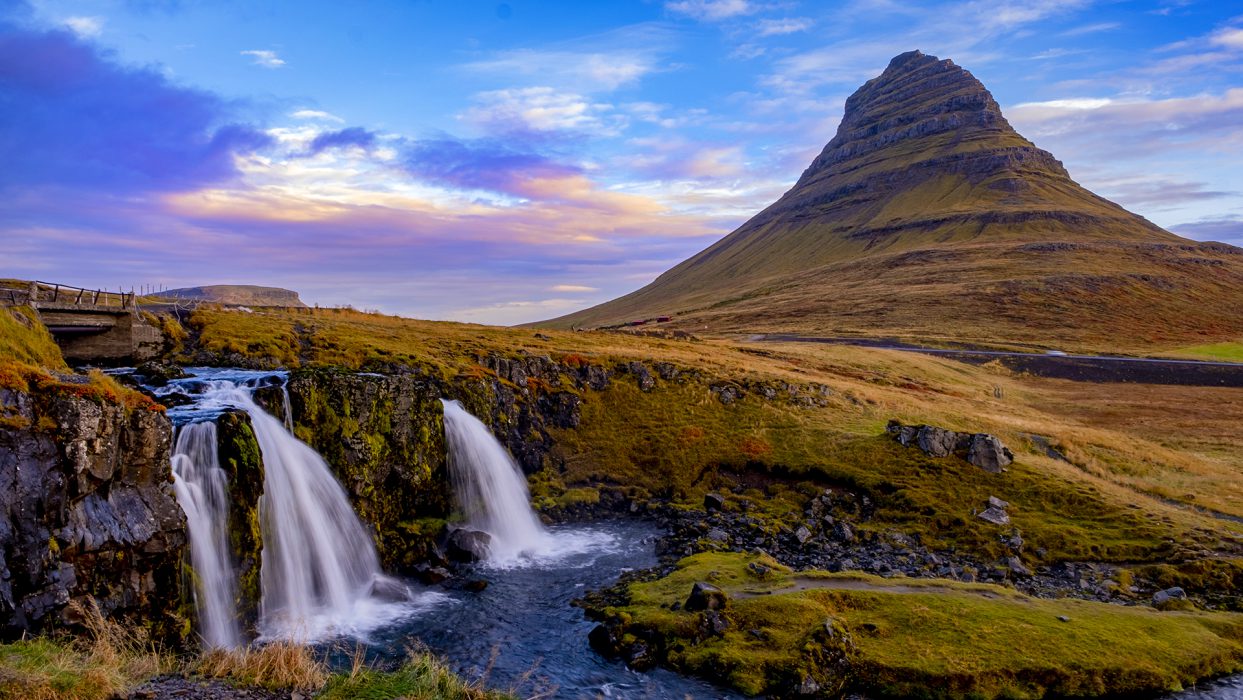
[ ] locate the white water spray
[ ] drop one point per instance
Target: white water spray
(492, 493)
(201, 487)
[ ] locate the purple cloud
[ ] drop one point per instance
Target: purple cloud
(488, 164)
(354, 136)
(71, 116)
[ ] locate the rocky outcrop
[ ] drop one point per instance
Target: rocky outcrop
(383, 434)
(86, 509)
(240, 459)
(984, 451)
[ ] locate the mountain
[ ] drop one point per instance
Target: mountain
(929, 217)
(235, 294)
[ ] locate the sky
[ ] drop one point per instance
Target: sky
(508, 162)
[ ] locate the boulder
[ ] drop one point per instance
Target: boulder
(842, 532)
(995, 513)
(468, 545)
(802, 534)
(705, 596)
(936, 442)
(431, 575)
(987, 453)
(981, 449)
(1169, 598)
(714, 502)
(1017, 568)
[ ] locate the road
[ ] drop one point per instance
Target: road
(1082, 368)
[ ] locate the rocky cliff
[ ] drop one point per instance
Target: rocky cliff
(86, 509)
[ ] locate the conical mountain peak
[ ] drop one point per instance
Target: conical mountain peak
(928, 208)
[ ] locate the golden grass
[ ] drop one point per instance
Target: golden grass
(278, 665)
(25, 340)
(106, 661)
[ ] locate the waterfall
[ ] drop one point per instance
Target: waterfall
(490, 488)
(319, 572)
(318, 561)
(201, 487)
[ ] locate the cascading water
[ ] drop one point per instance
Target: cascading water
(319, 572)
(492, 493)
(201, 487)
(490, 488)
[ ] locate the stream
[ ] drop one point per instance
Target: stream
(535, 641)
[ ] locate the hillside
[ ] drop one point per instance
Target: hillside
(928, 216)
(237, 294)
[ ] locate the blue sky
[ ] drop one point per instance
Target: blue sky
(505, 162)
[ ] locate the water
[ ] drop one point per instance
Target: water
(202, 489)
(524, 616)
(320, 576)
(491, 492)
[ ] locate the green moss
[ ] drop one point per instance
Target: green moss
(928, 638)
(242, 461)
(582, 495)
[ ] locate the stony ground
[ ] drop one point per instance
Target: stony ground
(181, 688)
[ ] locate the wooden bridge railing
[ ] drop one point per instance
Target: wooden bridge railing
(77, 296)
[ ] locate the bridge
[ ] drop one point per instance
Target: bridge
(90, 325)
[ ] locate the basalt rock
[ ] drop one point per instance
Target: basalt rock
(86, 511)
(984, 451)
(468, 545)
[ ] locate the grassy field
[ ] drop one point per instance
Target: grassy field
(1228, 352)
(1130, 489)
(924, 638)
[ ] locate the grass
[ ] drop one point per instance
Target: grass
(421, 677)
(275, 666)
(1228, 351)
(1128, 493)
(23, 339)
(927, 638)
(106, 661)
(111, 660)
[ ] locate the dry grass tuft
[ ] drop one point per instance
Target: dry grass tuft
(276, 666)
(105, 662)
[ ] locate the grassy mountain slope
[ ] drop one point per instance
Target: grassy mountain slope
(928, 216)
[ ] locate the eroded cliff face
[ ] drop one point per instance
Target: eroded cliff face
(87, 509)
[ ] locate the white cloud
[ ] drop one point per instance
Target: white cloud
(789, 25)
(265, 58)
(541, 109)
(317, 114)
(598, 63)
(572, 288)
(85, 26)
(584, 71)
(1092, 28)
(711, 10)
(1230, 38)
